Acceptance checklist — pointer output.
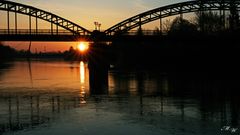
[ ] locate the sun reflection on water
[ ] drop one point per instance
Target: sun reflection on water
(82, 73)
(82, 83)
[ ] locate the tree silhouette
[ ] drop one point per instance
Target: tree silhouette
(139, 32)
(166, 26)
(209, 22)
(157, 31)
(6, 52)
(181, 26)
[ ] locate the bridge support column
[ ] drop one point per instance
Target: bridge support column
(15, 22)
(57, 29)
(223, 15)
(8, 22)
(51, 26)
(30, 24)
(181, 16)
(36, 25)
(201, 15)
(161, 25)
(140, 24)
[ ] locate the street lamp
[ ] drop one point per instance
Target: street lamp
(96, 25)
(99, 26)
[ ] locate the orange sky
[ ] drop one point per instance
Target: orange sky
(107, 12)
(43, 46)
(84, 13)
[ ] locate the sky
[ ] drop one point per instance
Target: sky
(107, 12)
(86, 12)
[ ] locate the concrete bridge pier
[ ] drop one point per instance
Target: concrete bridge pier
(98, 64)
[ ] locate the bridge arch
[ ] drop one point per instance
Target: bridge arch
(171, 10)
(43, 15)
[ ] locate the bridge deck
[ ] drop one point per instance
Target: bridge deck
(52, 38)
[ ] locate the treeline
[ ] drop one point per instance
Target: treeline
(74, 54)
(7, 52)
(207, 23)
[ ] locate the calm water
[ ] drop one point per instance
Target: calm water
(59, 98)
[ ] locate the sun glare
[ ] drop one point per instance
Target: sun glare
(83, 46)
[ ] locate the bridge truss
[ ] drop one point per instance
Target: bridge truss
(171, 10)
(36, 13)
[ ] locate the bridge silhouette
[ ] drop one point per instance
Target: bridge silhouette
(73, 32)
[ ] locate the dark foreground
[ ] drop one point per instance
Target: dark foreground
(203, 53)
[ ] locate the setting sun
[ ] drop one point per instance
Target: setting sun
(83, 46)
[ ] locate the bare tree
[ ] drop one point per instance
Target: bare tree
(156, 31)
(209, 22)
(166, 26)
(182, 26)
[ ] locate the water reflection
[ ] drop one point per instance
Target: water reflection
(82, 81)
(98, 78)
(24, 105)
(78, 96)
(3, 67)
(82, 73)
(138, 83)
(184, 95)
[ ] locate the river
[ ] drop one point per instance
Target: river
(55, 97)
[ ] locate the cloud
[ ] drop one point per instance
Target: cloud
(139, 5)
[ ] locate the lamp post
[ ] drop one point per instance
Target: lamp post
(99, 26)
(96, 25)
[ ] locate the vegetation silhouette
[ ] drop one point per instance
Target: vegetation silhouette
(74, 54)
(9, 53)
(208, 41)
(181, 26)
(210, 22)
(6, 52)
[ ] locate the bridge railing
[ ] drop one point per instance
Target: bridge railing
(34, 32)
(144, 32)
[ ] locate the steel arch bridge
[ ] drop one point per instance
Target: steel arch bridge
(171, 10)
(18, 8)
